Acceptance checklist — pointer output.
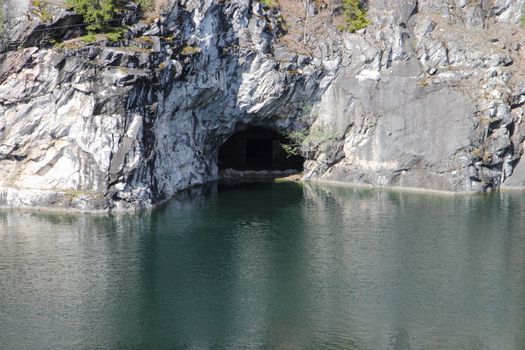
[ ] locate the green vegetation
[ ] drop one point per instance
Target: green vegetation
(355, 15)
(145, 39)
(68, 45)
(269, 3)
(40, 8)
(97, 13)
(145, 4)
(296, 140)
(305, 141)
(522, 18)
(116, 34)
(2, 19)
(89, 38)
(190, 50)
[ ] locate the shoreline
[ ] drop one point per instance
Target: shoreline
(414, 189)
(296, 178)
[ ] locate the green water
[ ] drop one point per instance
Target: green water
(273, 266)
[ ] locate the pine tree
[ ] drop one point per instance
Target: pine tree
(355, 14)
(97, 13)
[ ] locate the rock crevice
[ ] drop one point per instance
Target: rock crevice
(414, 100)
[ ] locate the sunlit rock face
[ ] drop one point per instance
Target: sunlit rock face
(113, 127)
(430, 96)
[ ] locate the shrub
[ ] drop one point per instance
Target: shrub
(116, 34)
(40, 8)
(90, 38)
(145, 4)
(305, 141)
(269, 3)
(97, 13)
(152, 8)
(355, 15)
(295, 142)
(68, 45)
(190, 50)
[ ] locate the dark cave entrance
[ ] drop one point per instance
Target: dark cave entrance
(259, 153)
(257, 148)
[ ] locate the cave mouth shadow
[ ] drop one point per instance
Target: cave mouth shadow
(258, 149)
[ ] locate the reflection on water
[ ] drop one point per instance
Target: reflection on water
(270, 266)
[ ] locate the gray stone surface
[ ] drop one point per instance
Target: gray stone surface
(424, 103)
(114, 128)
(414, 100)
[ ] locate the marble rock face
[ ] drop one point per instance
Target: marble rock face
(429, 96)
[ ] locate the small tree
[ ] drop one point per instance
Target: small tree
(146, 5)
(355, 14)
(2, 20)
(306, 141)
(97, 13)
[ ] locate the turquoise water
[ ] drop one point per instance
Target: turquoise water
(273, 266)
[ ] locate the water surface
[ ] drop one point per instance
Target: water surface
(276, 266)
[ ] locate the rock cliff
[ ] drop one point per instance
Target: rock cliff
(429, 96)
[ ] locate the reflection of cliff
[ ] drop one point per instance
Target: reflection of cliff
(415, 265)
(270, 265)
(64, 279)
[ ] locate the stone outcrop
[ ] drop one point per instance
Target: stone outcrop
(114, 127)
(429, 96)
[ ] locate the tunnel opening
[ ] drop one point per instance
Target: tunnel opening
(258, 149)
